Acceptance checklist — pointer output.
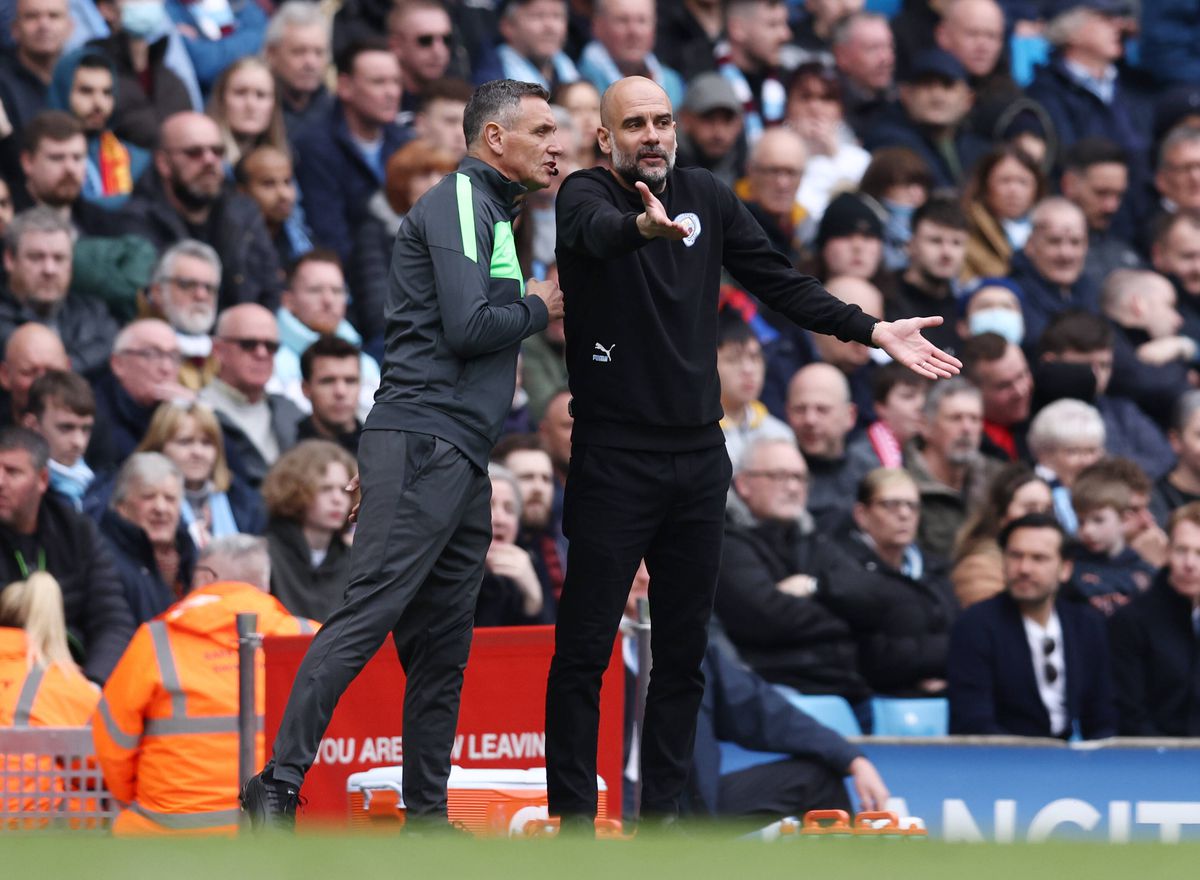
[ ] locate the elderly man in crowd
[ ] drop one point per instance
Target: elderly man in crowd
(183, 292)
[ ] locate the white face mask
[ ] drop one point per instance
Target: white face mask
(1005, 322)
(143, 18)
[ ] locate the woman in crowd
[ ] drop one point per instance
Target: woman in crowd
(897, 600)
(247, 109)
(999, 196)
(216, 502)
(835, 160)
(154, 554)
(40, 684)
(1014, 492)
(411, 172)
(511, 594)
(582, 100)
(307, 534)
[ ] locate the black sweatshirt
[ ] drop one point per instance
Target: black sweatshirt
(641, 321)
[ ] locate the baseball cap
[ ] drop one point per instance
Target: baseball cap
(710, 91)
(935, 63)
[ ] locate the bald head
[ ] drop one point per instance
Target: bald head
(638, 132)
(1057, 246)
(31, 351)
(973, 32)
(776, 166)
(189, 156)
(246, 340)
(180, 128)
(819, 410)
(849, 356)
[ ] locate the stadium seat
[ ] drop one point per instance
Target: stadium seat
(911, 717)
(735, 758)
(832, 711)
(1027, 53)
(884, 7)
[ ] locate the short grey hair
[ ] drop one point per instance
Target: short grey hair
(36, 219)
(1059, 29)
(187, 247)
(497, 101)
(945, 388)
(1180, 134)
(144, 469)
(750, 453)
(844, 27)
(1051, 204)
(500, 472)
(242, 558)
(295, 13)
(127, 333)
(1063, 422)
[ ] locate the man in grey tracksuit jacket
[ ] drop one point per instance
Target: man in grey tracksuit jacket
(456, 312)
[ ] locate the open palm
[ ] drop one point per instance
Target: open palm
(905, 343)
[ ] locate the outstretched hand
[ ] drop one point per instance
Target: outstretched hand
(654, 222)
(904, 342)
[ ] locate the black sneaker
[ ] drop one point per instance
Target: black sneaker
(270, 804)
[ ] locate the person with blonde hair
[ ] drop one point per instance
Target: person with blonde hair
(216, 501)
(246, 106)
(40, 684)
(306, 499)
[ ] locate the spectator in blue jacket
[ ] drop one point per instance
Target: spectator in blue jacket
(218, 33)
(624, 33)
(341, 160)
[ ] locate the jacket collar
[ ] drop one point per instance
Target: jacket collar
(495, 184)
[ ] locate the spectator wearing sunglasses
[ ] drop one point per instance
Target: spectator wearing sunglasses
(1028, 662)
(258, 426)
(186, 195)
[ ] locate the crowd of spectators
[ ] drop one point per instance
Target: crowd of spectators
(197, 203)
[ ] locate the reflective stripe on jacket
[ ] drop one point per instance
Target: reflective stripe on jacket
(166, 728)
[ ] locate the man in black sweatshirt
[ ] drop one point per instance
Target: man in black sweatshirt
(457, 310)
(640, 250)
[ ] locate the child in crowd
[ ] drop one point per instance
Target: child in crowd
(742, 371)
(1107, 572)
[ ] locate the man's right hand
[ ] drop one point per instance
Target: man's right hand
(549, 293)
(654, 222)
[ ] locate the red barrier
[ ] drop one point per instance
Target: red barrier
(501, 723)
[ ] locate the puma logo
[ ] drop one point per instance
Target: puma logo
(603, 355)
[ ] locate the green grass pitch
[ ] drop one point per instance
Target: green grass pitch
(706, 855)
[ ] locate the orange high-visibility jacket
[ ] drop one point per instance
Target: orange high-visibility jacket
(166, 728)
(47, 696)
(38, 696)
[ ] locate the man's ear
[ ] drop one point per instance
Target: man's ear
(604, 138)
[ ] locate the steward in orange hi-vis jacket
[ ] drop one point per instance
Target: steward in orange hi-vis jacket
(38, 695)
(166, 727)
(42, 695)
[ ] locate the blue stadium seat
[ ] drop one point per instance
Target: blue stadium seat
(1027, 54)
(832, 711)
(884, 7)
(735, 758)
(911, 717)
